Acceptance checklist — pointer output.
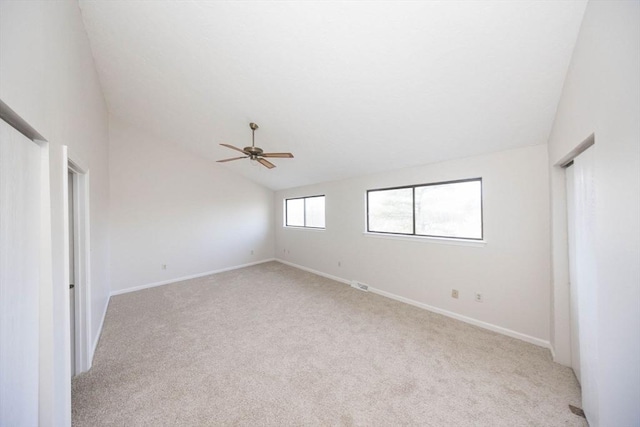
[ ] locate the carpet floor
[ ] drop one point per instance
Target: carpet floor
(271, 345)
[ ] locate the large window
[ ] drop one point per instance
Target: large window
(443, 209)
(305, 212)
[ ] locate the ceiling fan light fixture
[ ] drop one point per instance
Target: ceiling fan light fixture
(256, 154)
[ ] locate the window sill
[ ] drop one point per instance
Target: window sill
(291, 227)
(425, 239)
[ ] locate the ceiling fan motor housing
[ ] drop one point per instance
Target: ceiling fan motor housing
(253, 151)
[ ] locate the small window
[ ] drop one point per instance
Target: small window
(444, 209)
(305, 212)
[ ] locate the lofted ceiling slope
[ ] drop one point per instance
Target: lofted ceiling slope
(351, 88)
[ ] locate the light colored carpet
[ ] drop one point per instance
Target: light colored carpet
(272, 345)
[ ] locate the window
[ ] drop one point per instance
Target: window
(443, 209)
(305, 212)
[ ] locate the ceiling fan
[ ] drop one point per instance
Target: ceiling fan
(256, 153)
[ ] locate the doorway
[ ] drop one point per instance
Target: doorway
(79, 288)
(573, 283)
(72, 261)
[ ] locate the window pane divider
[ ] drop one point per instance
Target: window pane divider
(413, 211)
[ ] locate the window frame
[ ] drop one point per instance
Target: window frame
(304, 212)
(413, 195)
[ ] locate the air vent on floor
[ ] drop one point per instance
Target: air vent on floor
(359, 286)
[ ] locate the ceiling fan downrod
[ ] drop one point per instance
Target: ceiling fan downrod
(253, 151)
(253, 127)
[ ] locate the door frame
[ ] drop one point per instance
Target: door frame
(574, 322)
(82, 257)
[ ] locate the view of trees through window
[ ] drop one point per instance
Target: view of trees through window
(449, 209)
(305, 212)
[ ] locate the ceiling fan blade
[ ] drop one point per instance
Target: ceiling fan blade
(266, 163)
(228, 160)
(280, 155)
(234, 148)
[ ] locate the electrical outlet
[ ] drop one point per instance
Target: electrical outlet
(251, 251)
(339, 264)
(478, 297)
(164, 266)
(454, 293)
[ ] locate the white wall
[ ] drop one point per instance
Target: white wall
(171, 207)
(512, 270)
(48, 78)
(601, 95)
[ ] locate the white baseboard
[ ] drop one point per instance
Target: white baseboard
(470, 320)
(192, 276)
(311, 270)
(553, 352)
(97, 338)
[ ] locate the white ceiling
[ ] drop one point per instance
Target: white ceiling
(351, 88)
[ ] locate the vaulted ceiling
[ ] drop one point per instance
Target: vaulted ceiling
(351, 88)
